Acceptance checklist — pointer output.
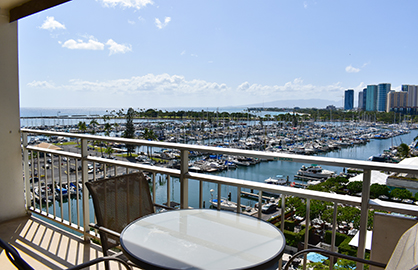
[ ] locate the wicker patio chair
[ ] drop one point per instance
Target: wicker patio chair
(117, 202)
(14, 257)
(404, 256)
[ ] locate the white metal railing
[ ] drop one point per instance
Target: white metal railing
(83, 158)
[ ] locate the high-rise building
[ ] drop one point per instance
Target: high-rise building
(397, 101)
(371, 98)
(349, 99)
(364, 99)
(412, 91)
(382, 92)
(360, 100)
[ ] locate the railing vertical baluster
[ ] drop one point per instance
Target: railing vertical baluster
(238, 199)
(365, 196)
(283, 212)
(334, 235)
(308, 216)
(69, 191)
(219, 196)
(77, 194)
(26, 170)
(127, 170)
(46, 184)
(154, 196)
(104, 171)
(116, 171)
(60, 187)
(39, 179)
(184, 181)
(200, 194)
(54, 208)
(94, 171)
(85, 195)
(282, 221)
(168, 190)
(260, 202)
(32, 186)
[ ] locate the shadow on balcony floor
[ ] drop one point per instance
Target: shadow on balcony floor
(45, 246)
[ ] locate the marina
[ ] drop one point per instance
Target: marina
(351, 141)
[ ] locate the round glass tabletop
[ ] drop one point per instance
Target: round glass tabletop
(202, 239)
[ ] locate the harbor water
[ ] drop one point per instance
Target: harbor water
(258, 172)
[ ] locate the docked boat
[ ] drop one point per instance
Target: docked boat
(315, 171)
(225, 204)
(277, 180)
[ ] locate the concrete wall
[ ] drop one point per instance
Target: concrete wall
(387, 229)
(11, 182)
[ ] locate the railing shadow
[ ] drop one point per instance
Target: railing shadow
(44, 245)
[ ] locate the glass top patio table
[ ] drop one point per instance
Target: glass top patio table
(202, 239)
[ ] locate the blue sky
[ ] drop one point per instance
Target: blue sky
(213, 53)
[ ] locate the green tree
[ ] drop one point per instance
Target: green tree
(344, 214)
(129, 130)
(403, 150)
(93, 124)
(82, 126)
(149, 135)
(401, 194)
(377, 190)
(355, 187)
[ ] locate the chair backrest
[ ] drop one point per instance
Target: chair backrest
(405, 254)
(14, 256)
(387, 230)
(118, 201)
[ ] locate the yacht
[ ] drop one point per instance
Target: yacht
(315, 171)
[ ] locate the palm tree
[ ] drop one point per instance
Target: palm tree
(93, 124)
(82, 127)
(149, 135)
(403, 150)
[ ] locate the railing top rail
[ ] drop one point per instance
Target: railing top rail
(304, 193)
(337, 162)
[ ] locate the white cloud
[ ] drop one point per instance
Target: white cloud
(138, 4)
(51, 24)
(92, 44)
(161, 25)
(183, 52)
(156, 84)
(131, 22)
(117, 48)
(351, 69)
(176, 90)
(41, 84)
(305, 4)
(295, 89)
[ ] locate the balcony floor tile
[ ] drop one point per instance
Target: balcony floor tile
(45, 246)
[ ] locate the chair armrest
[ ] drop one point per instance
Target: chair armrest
(164, 206)
(104, 229)
(333, 254)
(98, 260)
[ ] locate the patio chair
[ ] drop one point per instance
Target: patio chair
(403, 256)
(14, 257)
(117, 202)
